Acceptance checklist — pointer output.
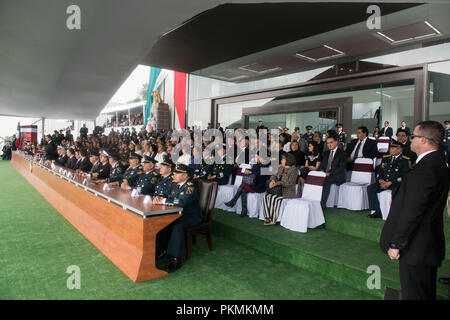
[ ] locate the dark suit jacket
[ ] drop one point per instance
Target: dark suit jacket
(389, 132)
(370, 149)
(337, 172)
(415, 221)
(51, 152)
(85, 165)
(408, 131)
(71, 162)
(61, 161)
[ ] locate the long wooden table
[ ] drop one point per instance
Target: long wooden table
(123, 228)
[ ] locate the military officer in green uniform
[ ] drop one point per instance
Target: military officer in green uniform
(146, 182)
(124, 155)
(105, 168)
(205, 167)
(132, 173)
(309, 135)
(94, 159)
(220, 172)
(185, 194)
(164, 185)
(341, 135)
(389, 175)
(116, 172)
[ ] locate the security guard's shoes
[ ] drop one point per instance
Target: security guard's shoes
(444, 281)
(174, 265)
(161, 255)
(376, 214)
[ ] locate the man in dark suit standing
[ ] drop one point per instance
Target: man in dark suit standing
(50, 149)
(386, 131)
(334, 165)
(362, 147)
(414, 230)
(404, 127)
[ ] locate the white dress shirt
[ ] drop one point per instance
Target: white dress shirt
(360, 151)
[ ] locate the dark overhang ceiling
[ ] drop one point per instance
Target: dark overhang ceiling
(247, 42)
(231, 30)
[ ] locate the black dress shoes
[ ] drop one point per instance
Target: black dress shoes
(444, 280)
(174, 265)
(161, 255)
(376, 214)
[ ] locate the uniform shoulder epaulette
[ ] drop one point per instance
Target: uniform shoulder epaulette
(387, 156)
(405, 157)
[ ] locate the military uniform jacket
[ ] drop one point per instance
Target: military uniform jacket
(147, 182)
(308, 136)
(95, 168)
(222, 172)
(132, 175)
(164, 186)
(124, 154)
(393, 171)
(116, 173)
(204, 170)
(342, 138)
(102, 172)
(186, 196)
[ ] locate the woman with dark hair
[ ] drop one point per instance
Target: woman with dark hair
(298, 154)
(285, 180)
(318, 138)
(376, 132)
(313, 161)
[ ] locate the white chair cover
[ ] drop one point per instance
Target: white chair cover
(254, 204)
(333, 197)
(383, 144)
(353, 194)
(224, 194)
(385, 197)
(301, 214)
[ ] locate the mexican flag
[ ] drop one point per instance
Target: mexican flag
(175, 92)
(154, 74)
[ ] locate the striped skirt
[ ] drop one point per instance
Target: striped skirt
(272, 203)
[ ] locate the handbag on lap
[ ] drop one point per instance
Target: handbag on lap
(277, 190)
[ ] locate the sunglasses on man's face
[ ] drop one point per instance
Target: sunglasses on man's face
(417, 136)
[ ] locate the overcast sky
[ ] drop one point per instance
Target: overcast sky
(129, 89)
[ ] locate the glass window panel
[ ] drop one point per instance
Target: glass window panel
(439, 91)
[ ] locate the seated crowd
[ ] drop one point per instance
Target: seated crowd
(299, 154)
(145, 161)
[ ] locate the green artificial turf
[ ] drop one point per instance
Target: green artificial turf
(37, 245)
(334, 252)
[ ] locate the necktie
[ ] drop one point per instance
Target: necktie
(330, 159)
(355, 156)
